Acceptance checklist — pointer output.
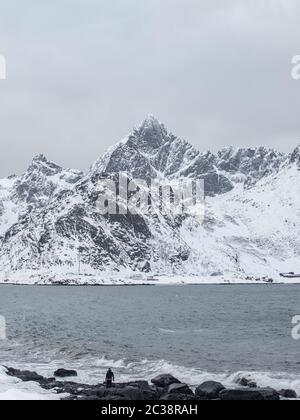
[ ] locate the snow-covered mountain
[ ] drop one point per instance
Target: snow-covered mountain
(51, 229)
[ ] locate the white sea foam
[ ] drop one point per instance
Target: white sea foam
(168, 331)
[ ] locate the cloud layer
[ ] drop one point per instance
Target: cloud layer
(81, 73)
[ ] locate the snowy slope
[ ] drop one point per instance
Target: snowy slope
(252, 232)
(51, 230)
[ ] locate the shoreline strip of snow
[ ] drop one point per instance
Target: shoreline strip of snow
(48, 279)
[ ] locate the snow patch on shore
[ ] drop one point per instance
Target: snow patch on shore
(14, 389)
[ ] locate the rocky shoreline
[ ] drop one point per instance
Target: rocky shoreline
(162, 388)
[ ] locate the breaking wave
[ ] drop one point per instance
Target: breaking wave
(147, 369)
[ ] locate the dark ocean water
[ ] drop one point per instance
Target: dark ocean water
(195, 332)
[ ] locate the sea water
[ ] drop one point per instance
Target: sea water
(194, 332)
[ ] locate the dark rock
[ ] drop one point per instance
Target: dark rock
(209, 390)
(139, 384)
(243, 394)
(24, 375)
(180, 389)
(78, 389)
(247, 382)
(178, 397)
(160, 391)
(295, 157)
(129, 393)
(92, 392)
(269, 394)
(66, 388)
(148, 393)
(49, 383)
(163, 381)
(288, 393)
(64, 373)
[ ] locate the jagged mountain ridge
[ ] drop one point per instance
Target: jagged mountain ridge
(49, 222)
(151, 151)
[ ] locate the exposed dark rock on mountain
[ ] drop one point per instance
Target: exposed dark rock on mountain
(295, 157)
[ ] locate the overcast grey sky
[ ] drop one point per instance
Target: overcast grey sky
(82, 73)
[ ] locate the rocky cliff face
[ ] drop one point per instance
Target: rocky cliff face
(295, 157)
(49, 221)
(42, 180)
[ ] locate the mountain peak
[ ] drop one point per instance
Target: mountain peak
(151, 133)
(151, 121)
(40, 158)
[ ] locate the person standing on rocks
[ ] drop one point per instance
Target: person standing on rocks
(110, 378)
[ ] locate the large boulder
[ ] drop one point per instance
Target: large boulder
(209, 390)
(163, 381)
(250, 394)
(288, 393)
(129, 393)
(25, 375)
(149, 393)
(180, 389)
(133, 391)
(65, 373)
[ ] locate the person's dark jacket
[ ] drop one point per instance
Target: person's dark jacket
(110, 376)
